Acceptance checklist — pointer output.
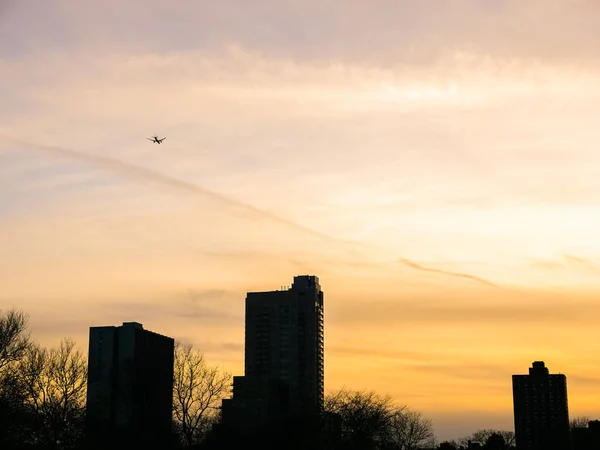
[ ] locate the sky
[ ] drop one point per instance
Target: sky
(434, 163)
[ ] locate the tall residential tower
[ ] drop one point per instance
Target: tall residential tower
(284, 357)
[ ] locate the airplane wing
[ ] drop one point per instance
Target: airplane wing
(163, 138)
(150, 139)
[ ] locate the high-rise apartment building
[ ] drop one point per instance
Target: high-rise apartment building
(541, 410)
(284, 356)
(284, 340)
(130, 384)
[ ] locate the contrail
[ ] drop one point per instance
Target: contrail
(414, 265)
(141, 173)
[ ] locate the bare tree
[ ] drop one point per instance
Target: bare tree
(579, 422)
(488, 436)
(14, 337)
(365, 417)
(14, 341)
(55, 385)
(197, 392)
(409, 430)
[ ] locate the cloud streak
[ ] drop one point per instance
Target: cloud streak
(427, 312)
(141, 173)
(414, 265)
(400, 30)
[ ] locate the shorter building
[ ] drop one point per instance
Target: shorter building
(541, 410)
(255, 395)
(130, 386)
(587, 438)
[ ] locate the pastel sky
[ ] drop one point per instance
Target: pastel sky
(365, 142)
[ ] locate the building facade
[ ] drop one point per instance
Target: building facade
(284, 359)
(130, 385)
(541, 410)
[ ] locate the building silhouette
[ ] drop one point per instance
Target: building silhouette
(541, 410)
(586, 438)
(283, 385)
(130, 386)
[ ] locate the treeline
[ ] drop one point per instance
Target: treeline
(43, 395)
(42, 391)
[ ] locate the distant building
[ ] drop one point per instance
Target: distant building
(284, 360)
(541, 410)
(587, 438)
(130, 385)
(446, 446)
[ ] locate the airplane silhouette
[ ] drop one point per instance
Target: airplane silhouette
(156, 139)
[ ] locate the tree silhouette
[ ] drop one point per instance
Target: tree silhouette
(365, 417)
(579, 422)
(409, 430)
(490, 436)
(372, 422)
(15, 422)
(54, 382)
(495, 442)
(14, 338)
(197, 393)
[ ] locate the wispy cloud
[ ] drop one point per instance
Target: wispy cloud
(416, 266)
(570, 264)
(374, 352)
(164, 180)
(479, 372)
(583, 263)
(419, 311)
(399, 30)
(176, 314)
(583, 381)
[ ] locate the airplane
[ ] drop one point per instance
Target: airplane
(156, 139)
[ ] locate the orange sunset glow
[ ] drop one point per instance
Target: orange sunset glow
(435, 163)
